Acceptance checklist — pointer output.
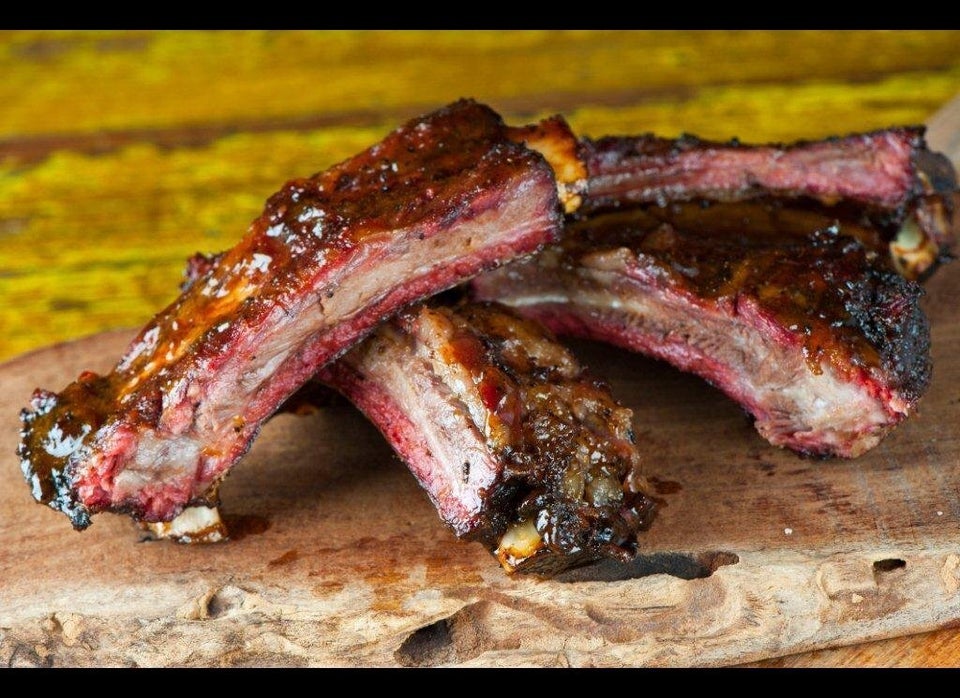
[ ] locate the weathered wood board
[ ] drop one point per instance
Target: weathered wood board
(338, 559)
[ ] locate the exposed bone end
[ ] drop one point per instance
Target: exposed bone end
(930, 231)
(520, 543)
(554, 139)
(914, 254)
(199, 524)
(925, 239)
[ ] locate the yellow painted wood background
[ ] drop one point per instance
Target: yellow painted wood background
(122, 153)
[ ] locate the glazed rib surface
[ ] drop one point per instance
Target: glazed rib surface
(438, 200)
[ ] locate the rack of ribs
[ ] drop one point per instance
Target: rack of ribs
(886, 186)
(827, 349)
(782, 274)
(437, 201)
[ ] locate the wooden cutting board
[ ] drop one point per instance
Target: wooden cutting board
(338, 559)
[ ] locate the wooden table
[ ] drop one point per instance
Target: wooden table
(122, 153)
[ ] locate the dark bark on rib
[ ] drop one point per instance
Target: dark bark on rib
(827, 350)
(516, 445)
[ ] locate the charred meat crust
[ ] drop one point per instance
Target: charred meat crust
(515, 443)
(826, 349)
(437, 201)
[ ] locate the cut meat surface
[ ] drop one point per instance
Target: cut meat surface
(888, 179)
(516, 445)
(440, 199)
(825, 349)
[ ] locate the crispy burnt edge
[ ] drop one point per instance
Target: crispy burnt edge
(555, 488)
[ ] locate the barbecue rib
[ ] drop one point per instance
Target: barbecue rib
(456, 192)
(515, 444)
(824, 348)
(437, 201)
(887, 181)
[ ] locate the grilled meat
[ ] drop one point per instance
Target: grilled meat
(827, 350)
(886, 183)
(699, 253)
(438, 200)
(516, 445)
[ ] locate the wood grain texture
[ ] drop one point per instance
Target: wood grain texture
(121, 153)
